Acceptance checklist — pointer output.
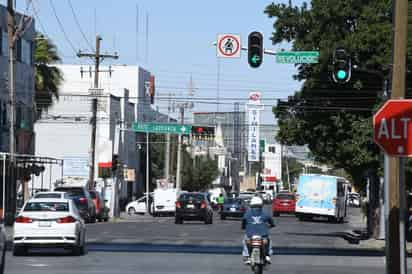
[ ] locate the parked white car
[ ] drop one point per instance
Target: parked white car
(137, 207)
(49, 223)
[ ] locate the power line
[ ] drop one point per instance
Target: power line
(79, 26)
(36, 15)
(61, 26)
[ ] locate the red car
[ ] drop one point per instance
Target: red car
(102, 213)
(283, 203)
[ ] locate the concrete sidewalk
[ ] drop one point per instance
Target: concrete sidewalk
(359, 234)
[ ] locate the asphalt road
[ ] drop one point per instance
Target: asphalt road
(289, 232)
(143, 244)
(170, 263)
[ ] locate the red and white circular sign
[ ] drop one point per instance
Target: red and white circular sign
(392, 128)
(228, 45)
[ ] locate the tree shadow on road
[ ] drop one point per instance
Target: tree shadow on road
(228, 250)
(349, 237)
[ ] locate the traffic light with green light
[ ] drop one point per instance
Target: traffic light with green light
(255, 49)
(342, 66)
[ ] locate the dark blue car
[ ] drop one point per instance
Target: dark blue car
(233, 207)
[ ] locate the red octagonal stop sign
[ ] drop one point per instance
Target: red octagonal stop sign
(392, 128)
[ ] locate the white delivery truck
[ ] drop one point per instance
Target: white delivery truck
(164, 201)
(321, 195)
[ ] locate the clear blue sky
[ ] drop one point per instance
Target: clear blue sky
(180, 43)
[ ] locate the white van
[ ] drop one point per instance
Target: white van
(215, 193)
(164, 201)
(321, 195)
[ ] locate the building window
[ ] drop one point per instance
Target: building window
(1, 114)
(19, 50)
(272, 149)
(26, 52)
(4, 43)
(1, 42)
(4, 116)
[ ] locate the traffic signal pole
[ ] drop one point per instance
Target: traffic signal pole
(395, 233)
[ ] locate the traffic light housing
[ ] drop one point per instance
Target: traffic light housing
(342, 66)
(203, 132)
(115, 162)
(255, 49)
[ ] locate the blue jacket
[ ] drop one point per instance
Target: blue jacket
(256, 222)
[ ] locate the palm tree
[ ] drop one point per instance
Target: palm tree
(47, 77)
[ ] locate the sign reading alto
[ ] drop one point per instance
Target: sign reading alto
(392, 128)
(161, 128)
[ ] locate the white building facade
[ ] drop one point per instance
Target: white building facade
(65, 132)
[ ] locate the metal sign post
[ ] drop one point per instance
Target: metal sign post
(147, 173)
(395, 241)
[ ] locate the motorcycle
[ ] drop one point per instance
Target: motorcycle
(257, 251)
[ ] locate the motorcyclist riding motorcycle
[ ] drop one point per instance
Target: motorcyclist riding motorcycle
(256, 222)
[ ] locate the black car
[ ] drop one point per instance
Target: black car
(81, 197)
(233, 207)
(193, 206)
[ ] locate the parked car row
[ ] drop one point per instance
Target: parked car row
(90, 203)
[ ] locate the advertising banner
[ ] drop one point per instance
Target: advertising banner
(76, 166)
(254, 107)
(253, 137)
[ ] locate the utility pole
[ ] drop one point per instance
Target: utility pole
(11, 30)
(287, 167)
(395, 247)
(97, 58)
(179, 151)
(167, 150)
(182, 108)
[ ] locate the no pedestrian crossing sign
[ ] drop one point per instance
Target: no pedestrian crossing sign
(228, 46)
(392, 128)
(297, 57)
(161, 128)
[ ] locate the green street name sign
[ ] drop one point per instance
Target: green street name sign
(161, 128)
(297, 57)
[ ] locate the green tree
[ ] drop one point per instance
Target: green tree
(294, 167)
(335, 121)
(48, 77)
(157, 155)
(336, 132)
(198, 173)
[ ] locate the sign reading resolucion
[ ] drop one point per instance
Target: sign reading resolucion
(297, 57)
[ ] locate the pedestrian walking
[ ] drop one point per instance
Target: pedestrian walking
(221, 201)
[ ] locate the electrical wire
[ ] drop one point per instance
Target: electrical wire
(36, 15)
(62, 27)
(79, 26)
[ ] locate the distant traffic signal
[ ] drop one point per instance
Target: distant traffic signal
(203, 132)
(342, 66)
(255, 49)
